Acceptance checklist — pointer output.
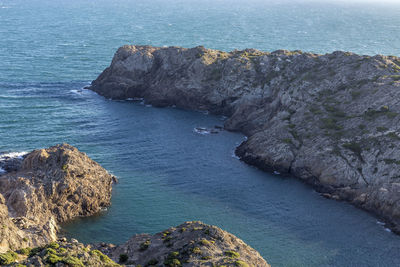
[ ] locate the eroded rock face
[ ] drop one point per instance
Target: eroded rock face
(331, 120)
(50, 186)
(189, 244)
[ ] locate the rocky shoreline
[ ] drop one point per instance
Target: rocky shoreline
(330, 120)
(40, 189)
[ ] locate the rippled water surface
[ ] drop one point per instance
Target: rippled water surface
(49, 50)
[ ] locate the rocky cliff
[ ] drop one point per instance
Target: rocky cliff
(331, 120)
(44, 188)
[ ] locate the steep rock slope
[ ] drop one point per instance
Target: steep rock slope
(47, 187)
(331, 120)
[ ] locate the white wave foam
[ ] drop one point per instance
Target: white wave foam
(380, 223)
(276, 172)
(201, 130)
(388, 230)
(76, 91)
(2, 171)
(12, 155)
(235, 156)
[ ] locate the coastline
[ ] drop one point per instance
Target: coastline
(319, 118)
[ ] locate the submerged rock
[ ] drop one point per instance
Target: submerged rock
(331, 120)
(50, 186)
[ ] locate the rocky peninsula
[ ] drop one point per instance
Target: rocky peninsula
(45, 187)
(330, 120)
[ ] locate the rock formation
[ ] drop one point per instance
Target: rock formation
(331, 120)
(49, 186)
(189, 244)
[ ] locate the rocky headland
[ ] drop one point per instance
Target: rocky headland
(330, 120)
(45, 187)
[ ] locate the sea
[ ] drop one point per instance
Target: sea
(168, 172)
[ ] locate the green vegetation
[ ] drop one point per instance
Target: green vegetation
(381, 129)
(73, 261)
(287, 141)
(393, 135)
(196, 250)
(315, 110)
(391, 114)
(172, 260)
(102, 257)
(64, 167)
(151, 262)
(232, 254)
(8, 257)
(24, 251)
(53, 258)
(145, 245)
(330, 123)
(392, 161)
(35, 251)
(123, 258)
(241, 264)
(355, 147)
(167, 239)
(355, 94)
(335, 111)
(205, 242)
(53, 245)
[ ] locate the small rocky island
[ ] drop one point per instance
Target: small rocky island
(45, 187)
(331, 120)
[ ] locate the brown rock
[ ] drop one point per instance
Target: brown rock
(51, 186)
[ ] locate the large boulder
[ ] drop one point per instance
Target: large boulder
(50, 186)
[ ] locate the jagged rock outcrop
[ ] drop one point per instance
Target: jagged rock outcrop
(189, 244)
(48, 187)
(331, 120)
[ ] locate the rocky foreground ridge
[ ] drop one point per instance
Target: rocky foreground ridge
(43, 188)
(331, 120)
(189, 244)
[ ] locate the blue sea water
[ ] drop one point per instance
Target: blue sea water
(51, 49)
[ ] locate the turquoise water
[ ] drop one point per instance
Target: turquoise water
(168, 173)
